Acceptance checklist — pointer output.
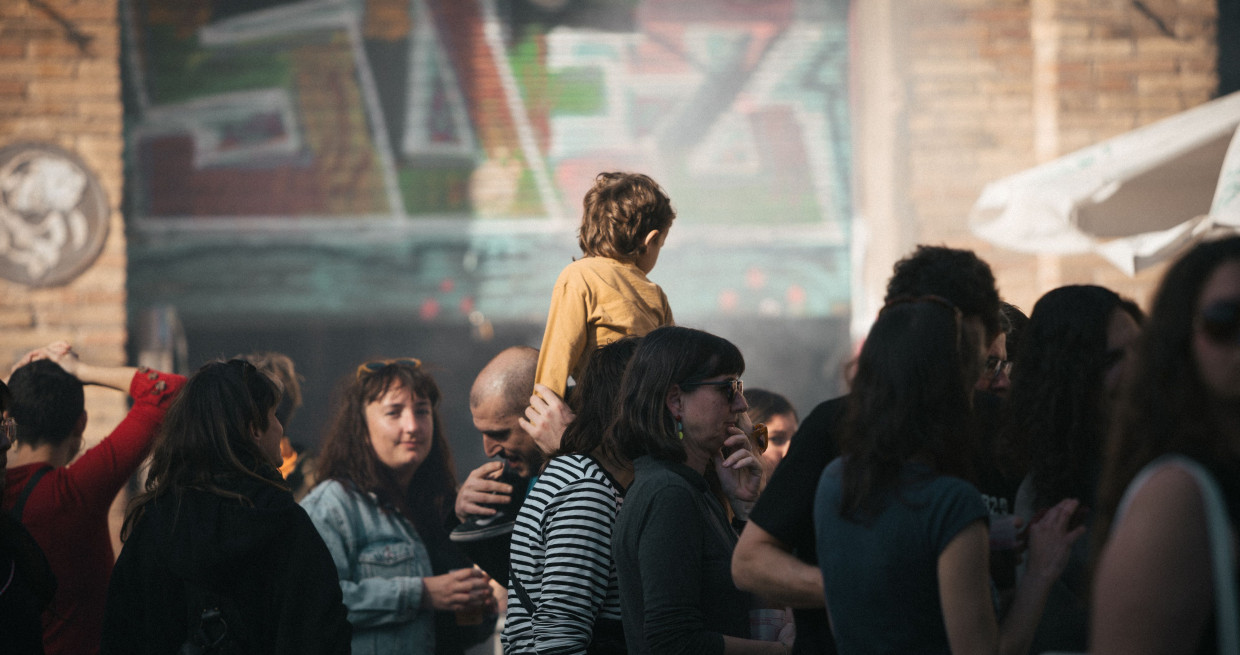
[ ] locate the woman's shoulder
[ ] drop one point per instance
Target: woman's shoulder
(333, 493)
(569, 475)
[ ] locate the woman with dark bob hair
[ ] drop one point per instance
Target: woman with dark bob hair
(1154, 585)
(901, 531)
(681, 402)
(387, 488)
(215, 548)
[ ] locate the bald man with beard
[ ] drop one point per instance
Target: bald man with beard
(491, 496)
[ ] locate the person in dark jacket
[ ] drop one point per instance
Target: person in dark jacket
(215, 547)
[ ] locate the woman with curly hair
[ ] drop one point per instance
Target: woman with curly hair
(1153, 590)
(1073, 352)
(216, 550)
(388, 487)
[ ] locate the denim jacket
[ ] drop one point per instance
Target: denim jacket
(381, 561)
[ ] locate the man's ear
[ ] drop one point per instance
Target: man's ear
(675, 401)
(651, 238)
(80, 426)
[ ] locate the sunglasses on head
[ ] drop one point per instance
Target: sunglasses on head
(370, 368)
(1220, 322)
(731, 387)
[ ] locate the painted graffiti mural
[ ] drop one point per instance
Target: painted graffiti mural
(474, 127)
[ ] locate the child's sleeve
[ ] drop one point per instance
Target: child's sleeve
(564, 341)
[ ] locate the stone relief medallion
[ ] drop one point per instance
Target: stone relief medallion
(53, 215)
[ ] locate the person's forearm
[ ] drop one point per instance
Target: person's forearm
(1021, 622)
(116, 377)
(761, 566)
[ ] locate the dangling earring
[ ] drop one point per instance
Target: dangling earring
(680, 430)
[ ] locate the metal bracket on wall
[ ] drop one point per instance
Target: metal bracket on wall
(72, 33)
(1157, 20)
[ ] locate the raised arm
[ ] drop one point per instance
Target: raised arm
(61, 352)
(98, 475)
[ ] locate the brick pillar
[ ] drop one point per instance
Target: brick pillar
(54, 91)
(982, 90)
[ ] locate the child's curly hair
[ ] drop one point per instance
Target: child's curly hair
(619, 211)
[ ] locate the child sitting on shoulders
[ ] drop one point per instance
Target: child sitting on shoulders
(605, 295)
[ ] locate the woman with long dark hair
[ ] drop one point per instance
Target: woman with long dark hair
(681, 403)
(1073, 352)
(1153, 588)
(387, 488)
(902, 534)
(216, 550)
(563, 596)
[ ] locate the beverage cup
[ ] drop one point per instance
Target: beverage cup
(765, 624)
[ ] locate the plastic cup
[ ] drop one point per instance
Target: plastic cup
(765, 624)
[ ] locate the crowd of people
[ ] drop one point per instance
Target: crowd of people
(990, 483)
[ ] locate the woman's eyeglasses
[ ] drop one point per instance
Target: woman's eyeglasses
(370, 368)
(1221, 322)
(731, 387)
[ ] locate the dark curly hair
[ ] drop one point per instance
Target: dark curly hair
(910, 400)
(347, 453)
(618, 212)
(957, 275)
(1163, 405)
(1056, 411)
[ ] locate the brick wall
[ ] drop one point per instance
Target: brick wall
(991, 87)
(51, 91)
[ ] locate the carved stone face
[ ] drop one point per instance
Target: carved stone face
(53, 215)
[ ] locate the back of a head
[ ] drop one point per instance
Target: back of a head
(509, 376)
(47, 402)
(280, 368)
(910, 399)
(618, 212)
(913, 376)
(208, 434)
(957, 275)
(667, 356)
(764, 404)
(210, 425)
(597, 396)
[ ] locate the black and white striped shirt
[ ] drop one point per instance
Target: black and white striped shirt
(561, 553)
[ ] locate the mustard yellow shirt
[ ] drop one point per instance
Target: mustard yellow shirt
(596, 301)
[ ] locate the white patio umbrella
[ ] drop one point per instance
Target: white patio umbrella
(1136, 199)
